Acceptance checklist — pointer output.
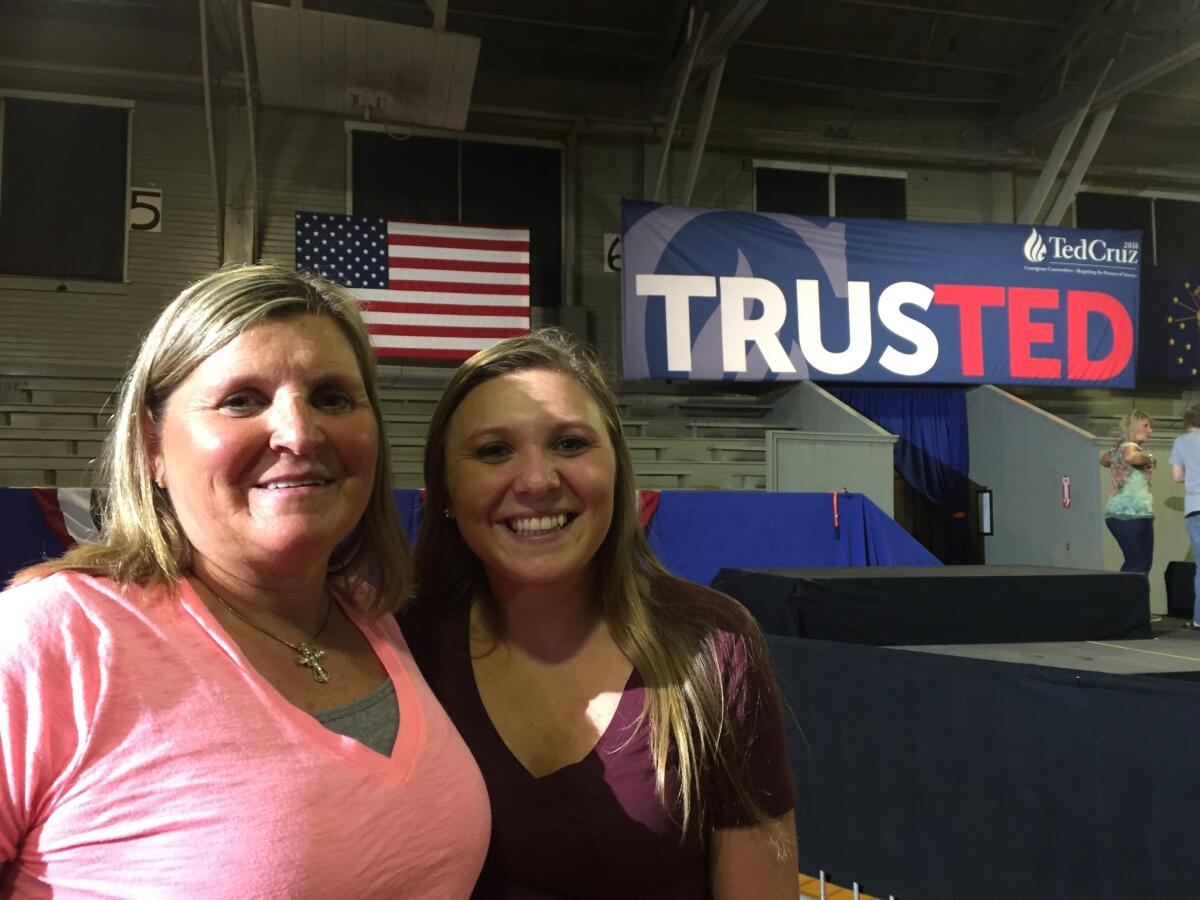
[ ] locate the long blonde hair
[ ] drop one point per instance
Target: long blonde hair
(141, 541)
(1129, 422)
(670, 642)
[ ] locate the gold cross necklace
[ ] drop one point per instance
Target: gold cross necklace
(308, 654)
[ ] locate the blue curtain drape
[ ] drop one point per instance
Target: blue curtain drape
(932, 452)
(697, 533)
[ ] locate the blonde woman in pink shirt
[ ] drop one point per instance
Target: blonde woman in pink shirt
(214, 700)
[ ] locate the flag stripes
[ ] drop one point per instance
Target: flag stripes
(440, 331)
(386, 313)
(458, 244)
(427, 290)
(479, 282)
(451, 253)
(464, 265)
(381, 299)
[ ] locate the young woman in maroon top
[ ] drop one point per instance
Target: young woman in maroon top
(627, 723)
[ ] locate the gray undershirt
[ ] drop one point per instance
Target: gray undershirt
(372, 720)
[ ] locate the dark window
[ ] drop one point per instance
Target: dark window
(871, 197)
(1115, 211)
(406, 178)
(472, 183)
(1170, 228)
(63, 190)
(802, 193)
(509, 184)
(1177, 232)
(792, 192)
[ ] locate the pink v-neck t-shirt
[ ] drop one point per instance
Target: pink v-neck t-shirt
(142, 756)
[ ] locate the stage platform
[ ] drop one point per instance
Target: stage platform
(917, 605)
(1175, 654)
(989, 771)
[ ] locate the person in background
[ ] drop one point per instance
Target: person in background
(627, 722)
(1129, 513)
(214, 700)
(1185, 468)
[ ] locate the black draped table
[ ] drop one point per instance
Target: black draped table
(898, 605)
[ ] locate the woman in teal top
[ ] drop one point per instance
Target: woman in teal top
(1129, 513)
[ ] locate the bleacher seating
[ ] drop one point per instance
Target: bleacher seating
(52, 429)
(1098, 410)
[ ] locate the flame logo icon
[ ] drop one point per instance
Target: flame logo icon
(1035, 247)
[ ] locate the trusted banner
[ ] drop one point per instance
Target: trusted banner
(717, 295)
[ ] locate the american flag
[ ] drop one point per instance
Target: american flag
(427, 291)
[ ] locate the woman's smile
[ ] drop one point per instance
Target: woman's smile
(538, 526)
(268, 448)
(530, 477)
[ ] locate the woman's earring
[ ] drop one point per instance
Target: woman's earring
(446, 513)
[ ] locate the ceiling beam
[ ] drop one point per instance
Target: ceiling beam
(1140, 22)
(224, 15)
(676, 105)
(1058, 155)
(1100, 122)
(1052, 55)
(1130, 72)
(942, 11)
(872, 56)
(241, 240)
(762, 141)
(851, 94)
(463, 14)
(210, 133)
(438, 8)
(701, 139)
(1051, 167)
(727, 22)
(672, 29)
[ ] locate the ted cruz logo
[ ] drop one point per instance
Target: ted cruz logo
(1035, 247)
(1090, 251)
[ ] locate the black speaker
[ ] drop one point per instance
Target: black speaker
(1181, 588)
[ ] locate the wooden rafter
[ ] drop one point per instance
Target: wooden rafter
(1131, 71)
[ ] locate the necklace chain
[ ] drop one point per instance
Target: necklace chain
(307, 653)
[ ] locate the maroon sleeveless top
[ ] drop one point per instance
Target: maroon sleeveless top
(596, 828)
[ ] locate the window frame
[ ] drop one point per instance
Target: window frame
(50, 282)
(832, 171)
(1151, 194)
(478, 137)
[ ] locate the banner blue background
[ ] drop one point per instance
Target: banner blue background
(671, 240)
